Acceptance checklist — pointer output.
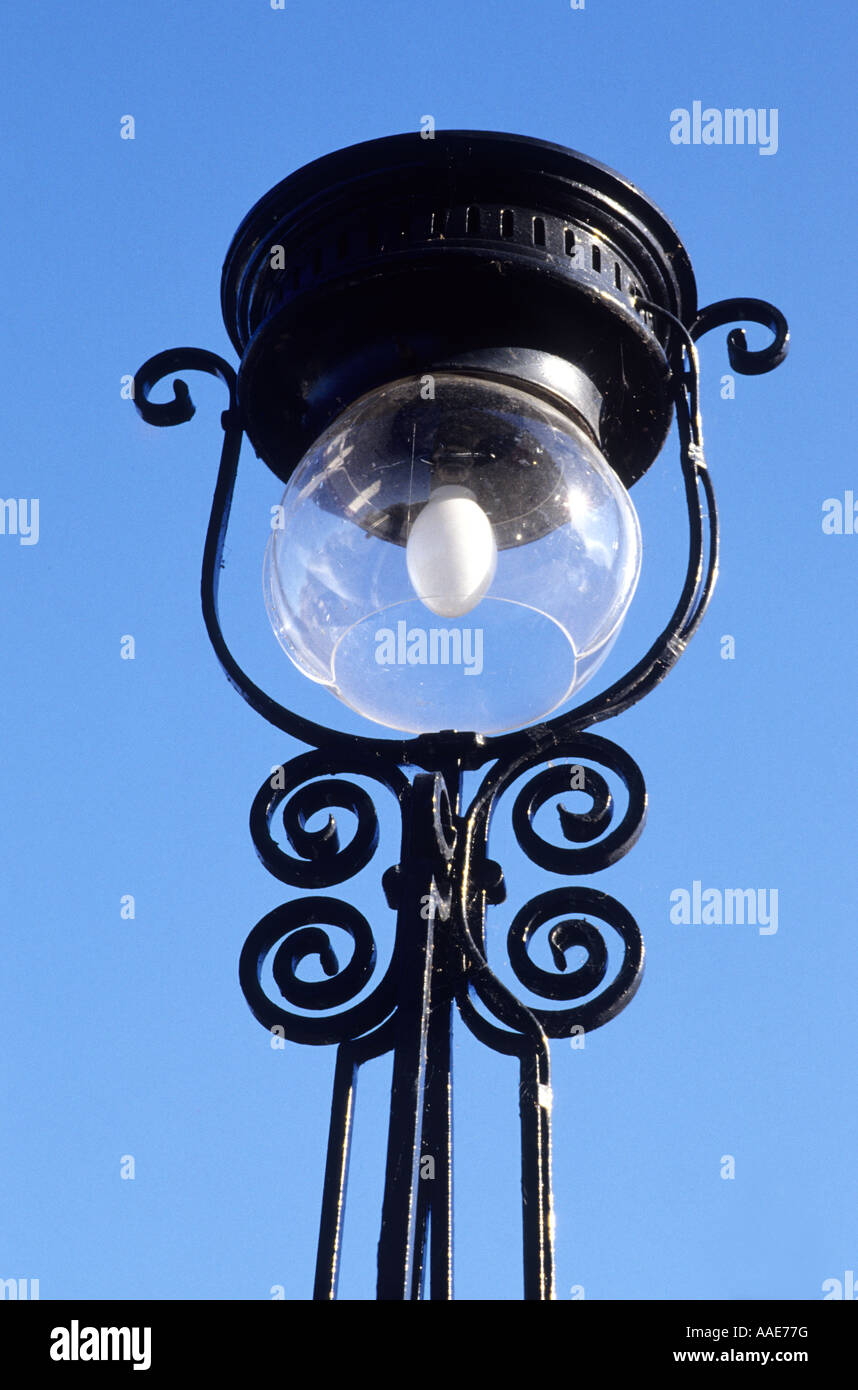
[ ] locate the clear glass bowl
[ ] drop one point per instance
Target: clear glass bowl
(336, 577)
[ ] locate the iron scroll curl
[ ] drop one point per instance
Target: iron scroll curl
(296, 930)
(304, 787)
(572, 931)
(742, 358)
(181, 408)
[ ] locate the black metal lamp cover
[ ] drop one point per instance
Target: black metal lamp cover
(516, 260)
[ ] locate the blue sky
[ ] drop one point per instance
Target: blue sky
(131, 1037)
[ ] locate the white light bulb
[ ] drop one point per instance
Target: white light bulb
(451, 552)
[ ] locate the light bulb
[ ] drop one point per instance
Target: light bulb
(451, 552)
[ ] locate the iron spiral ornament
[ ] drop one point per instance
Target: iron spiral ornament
(568, 931)
(303, 787)
(301, 929)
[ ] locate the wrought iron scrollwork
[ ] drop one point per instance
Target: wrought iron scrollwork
(582, 827)
(295, 926)
(741, 358)
(597, 844)
(304, 788)
(181, 408)
(444, 880)
(565, 934)
(489, 1007)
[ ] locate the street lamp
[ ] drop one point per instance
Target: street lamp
(458, 355)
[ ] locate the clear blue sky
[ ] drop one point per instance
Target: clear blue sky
(135, 777)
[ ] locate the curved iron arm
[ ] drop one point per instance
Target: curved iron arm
(423, 751)
(742, 359)
(418, 751)
(181, 407)
(473, 749)
(697, 589)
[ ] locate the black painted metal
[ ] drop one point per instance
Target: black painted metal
(422, 898)
(394, 257)
(742, 359)
(445, 882)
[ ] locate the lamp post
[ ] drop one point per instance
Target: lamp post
(458, 355)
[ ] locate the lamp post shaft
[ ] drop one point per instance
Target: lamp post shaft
(435, 888)
(418, 1182)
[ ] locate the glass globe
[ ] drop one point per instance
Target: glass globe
(452, 553)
